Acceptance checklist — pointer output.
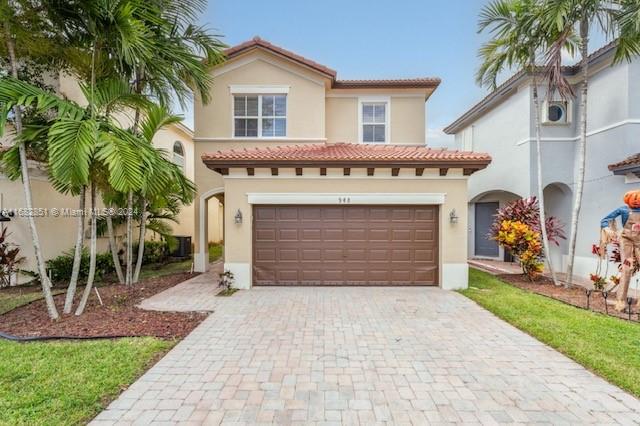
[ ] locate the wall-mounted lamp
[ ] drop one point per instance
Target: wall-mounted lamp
(453, 216)
(238, 217)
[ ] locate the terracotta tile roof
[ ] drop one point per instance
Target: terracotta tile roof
(256, 42)
(346, 155)
(405, 82)
(508, 86)
(630, 162)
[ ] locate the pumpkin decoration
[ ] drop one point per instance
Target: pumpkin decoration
(632, 199)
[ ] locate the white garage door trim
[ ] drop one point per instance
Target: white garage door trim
(422, 198)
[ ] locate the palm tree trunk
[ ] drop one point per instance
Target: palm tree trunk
(26, 184)
(92, 254)
(582, 147)
(143, 223)
(542, 214)
(114, 250)
(77, 256)
(129, 257)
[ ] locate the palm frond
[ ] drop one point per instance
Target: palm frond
(71, 148)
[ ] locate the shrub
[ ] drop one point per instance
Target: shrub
(10, 259)
(60, 267)
(154, 252)
(517, 228)
(524, 243)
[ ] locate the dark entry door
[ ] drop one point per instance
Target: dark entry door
(484, 246)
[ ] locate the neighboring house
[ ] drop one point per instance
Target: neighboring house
(58, 234)
(503, 125)
(327, 181)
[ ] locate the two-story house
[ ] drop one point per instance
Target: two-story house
(503, 124)
(327, 181)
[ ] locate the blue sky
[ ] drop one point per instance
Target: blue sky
(371, 39)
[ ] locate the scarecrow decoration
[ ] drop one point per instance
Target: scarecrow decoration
(628, 242)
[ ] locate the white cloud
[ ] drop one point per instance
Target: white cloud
(437, 138)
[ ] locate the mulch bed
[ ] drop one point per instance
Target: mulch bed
(575, 296)
(119, 315)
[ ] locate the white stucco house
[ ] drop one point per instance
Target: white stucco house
(503, 125)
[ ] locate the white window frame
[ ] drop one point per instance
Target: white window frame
(568, 110)
(182, 164)
(259, 91)
(387, 116)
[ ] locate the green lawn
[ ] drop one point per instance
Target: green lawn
(152, 271)
(215, 251)
(605, 345)
(11, 300)
(68, 383)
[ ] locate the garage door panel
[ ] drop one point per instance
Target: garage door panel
(288, 235)
(333, 234)
(345, 245)
(266, 235)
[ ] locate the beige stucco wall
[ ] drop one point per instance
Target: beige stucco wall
(238, 241)
(406, 116)
(57, 234)
(305, 100)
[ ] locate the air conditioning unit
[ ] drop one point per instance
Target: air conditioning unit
(184, 247)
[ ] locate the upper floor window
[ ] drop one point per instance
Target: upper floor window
(556, 112)
(178, 154)
(374, 122)
(260, 116)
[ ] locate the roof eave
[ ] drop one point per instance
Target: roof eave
(433, 164)
(493, 98)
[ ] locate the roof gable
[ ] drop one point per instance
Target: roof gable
(255, 43)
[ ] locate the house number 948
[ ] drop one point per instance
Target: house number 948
(344, 200)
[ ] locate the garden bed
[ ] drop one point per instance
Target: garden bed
(119, 315)
(575, 296)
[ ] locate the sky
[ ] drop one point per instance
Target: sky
(371, 39)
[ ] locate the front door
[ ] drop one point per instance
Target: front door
(485, 246)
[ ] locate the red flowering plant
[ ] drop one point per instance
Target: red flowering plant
(599, 279)
(517, 229)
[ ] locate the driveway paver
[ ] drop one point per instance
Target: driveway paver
(364, 355)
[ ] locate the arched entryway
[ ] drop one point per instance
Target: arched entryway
(557, 202)
(210, 225)
(482, 209)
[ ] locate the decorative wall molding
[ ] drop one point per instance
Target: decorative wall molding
(590, 133)
(306, 198)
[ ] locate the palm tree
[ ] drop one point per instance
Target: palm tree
(155, 119)
(517, 41)
(86, 147)
(616, 19)
(24, 33)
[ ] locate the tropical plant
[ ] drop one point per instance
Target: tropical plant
(227, 279)
(27, 38)
(517, 40)
(86, 147)
(159, 191)
(10, 259)
(524, 243)
(616, 19)
(517, 228)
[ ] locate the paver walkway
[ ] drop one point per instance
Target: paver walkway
(195, 294)
(364, 355)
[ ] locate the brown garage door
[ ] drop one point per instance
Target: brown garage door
(345, 245)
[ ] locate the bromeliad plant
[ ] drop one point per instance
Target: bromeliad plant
(517, 229)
